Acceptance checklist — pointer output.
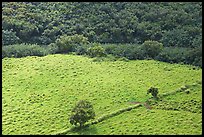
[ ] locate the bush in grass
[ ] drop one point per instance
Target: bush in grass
(96, 51)
(152, 48)
(173, 54)
(67, 44)
(194, 56)
(129, 51)
(109, 48)
(136, 52)
(81, 113)
(153, 91)
(123, 51)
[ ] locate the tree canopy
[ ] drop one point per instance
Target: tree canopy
(171, 23)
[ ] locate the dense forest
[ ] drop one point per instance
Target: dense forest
(177, 26)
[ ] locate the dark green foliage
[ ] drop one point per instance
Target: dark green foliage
(129, 51)
(9, 37)
(67, 44)
(152, 48)
(137, 53)
(23, 50)
(96, 51)
(109, 48)
(197, 42)
(118, 50)
(195, 56)
(82, 50)
(52, 48)
(153, 91)
(128, 25)
(81, 113)
(176, 38)
(173, 24)
(167, 54)
(181, 55)
(173, 54)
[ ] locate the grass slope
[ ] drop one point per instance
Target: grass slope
(162, 119)
(38, 93)
(143, 122)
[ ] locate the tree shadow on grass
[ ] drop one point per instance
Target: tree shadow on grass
(87, 130)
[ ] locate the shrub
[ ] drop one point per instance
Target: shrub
(122, 51)
(67, 44)
(51, 48)
(153, 91)
(152, 48)
(96, 51)
(176, 38)
(173, 54)
(109, 48)
(194, 57)
(83, 49)
(136, 52)
(129, 51)
(81, 113)
(23, 50)
(191, 56)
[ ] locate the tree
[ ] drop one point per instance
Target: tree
(153, 91)
(174, 24)
(69, 43)
(81, 113)
(152, 48)
(195, 56)
(9, 37)
(96, 51)
(176, 38)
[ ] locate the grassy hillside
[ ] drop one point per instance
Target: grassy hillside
(38, 94)
(142, 122)
(160, 120)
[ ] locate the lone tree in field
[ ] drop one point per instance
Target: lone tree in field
(81, 113)
(153, 91)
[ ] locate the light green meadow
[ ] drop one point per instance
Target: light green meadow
(38, 94)
(160, 120)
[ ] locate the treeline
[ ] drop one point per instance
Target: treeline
(78, 44)
(176, 25)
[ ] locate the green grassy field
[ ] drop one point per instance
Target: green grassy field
(38, 94)
(162, 119)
